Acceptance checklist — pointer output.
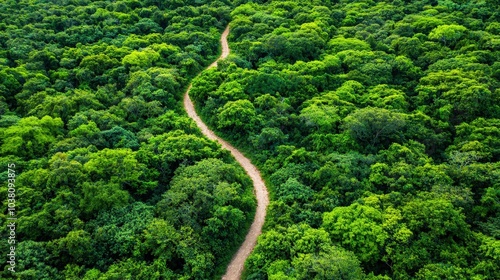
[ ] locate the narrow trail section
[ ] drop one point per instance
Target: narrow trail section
(235, 268)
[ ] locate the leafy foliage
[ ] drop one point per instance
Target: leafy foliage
(90, 114)
(374, 121)
(375, 124)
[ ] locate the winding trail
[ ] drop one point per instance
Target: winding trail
(235, 268)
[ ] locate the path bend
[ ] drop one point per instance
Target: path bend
(235, 267)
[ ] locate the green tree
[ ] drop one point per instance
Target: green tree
(31, 137)
(358, 228)
(479, 139)
(343, 44)
(335, 263)
(166, 152)
(458, 95)
(374, 126)
(143, 58)
(98, 63)
(238, 116)
(102, 196)
(448, 34)
(191, 198)
(431, 220)
(118, 166)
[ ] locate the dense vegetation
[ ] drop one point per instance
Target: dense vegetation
(114, 181)
(377, 126)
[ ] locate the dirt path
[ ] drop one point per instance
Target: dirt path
(235, 268)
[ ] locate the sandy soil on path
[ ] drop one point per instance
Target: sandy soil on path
(235, 268)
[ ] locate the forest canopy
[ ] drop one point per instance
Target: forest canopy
(376, 125)
(111, 174)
